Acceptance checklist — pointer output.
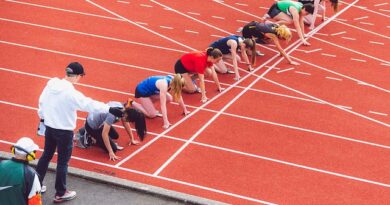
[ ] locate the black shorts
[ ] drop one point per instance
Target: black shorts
(138, 94)
(179, 67)
(274, 10)
(249, 30)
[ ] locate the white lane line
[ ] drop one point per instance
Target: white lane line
(385, 10)
(193, 13)
(239, 10)
(360, 18)
(329, 55)
(131, 22)
(332, 78)
(377, 113)
(146, 5)
(190, 17)
(242, 21)
(263, 7)
(303, 73)
(65, 10)
(367, 23)
(285, 70)
(322, 34)
(314, 50)
(142, 23)
(339, 33)
(385, 64)
(345, 107)
(189, 31)
(93, 35)
(351, 50)
(218, 17)
(218, 36)
(381, 4)
(339, 19)
(309, 51)
(274, 67)
(374, 42)
(241, 4)
(365, 30)
(328, 103)
(123, 2)
(300, 50)
(367, 10)
(166, 27)
(342, 75)
(348, 38)
(163, 178)
(359, 60)
(86, 57)
(362, 83)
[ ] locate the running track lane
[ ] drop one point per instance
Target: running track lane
(106, 25)
(340, 90)
(345, 62)
(309, 115)
(358, 40)
(269, 181)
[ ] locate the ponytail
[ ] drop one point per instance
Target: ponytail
(213, 52)
(176, 85)
(133, 115)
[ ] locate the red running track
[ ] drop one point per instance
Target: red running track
(317, 133)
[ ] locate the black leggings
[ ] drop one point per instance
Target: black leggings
(97, 134)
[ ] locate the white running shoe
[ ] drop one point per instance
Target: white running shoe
(43, 189)
(69, 195)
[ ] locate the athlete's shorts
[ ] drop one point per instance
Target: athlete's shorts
(139, 94)
(179, 67)
(274, 10)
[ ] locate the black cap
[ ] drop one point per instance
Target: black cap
(75, 68)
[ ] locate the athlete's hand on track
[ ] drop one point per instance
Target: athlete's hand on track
(113, 157)
(166, 125)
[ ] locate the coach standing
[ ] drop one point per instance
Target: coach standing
(58, 106)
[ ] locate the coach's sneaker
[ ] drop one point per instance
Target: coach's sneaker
(43, 189)
(69, 195)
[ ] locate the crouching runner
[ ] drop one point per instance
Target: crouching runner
(99, 129)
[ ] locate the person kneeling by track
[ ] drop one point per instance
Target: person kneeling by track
(99, 129)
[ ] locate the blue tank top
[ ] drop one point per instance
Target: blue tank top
(221, 44)
(148, 86)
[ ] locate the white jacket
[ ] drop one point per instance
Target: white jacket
(60, 101)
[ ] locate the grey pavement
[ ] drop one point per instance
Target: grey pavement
(96, 188)
(90, 192)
